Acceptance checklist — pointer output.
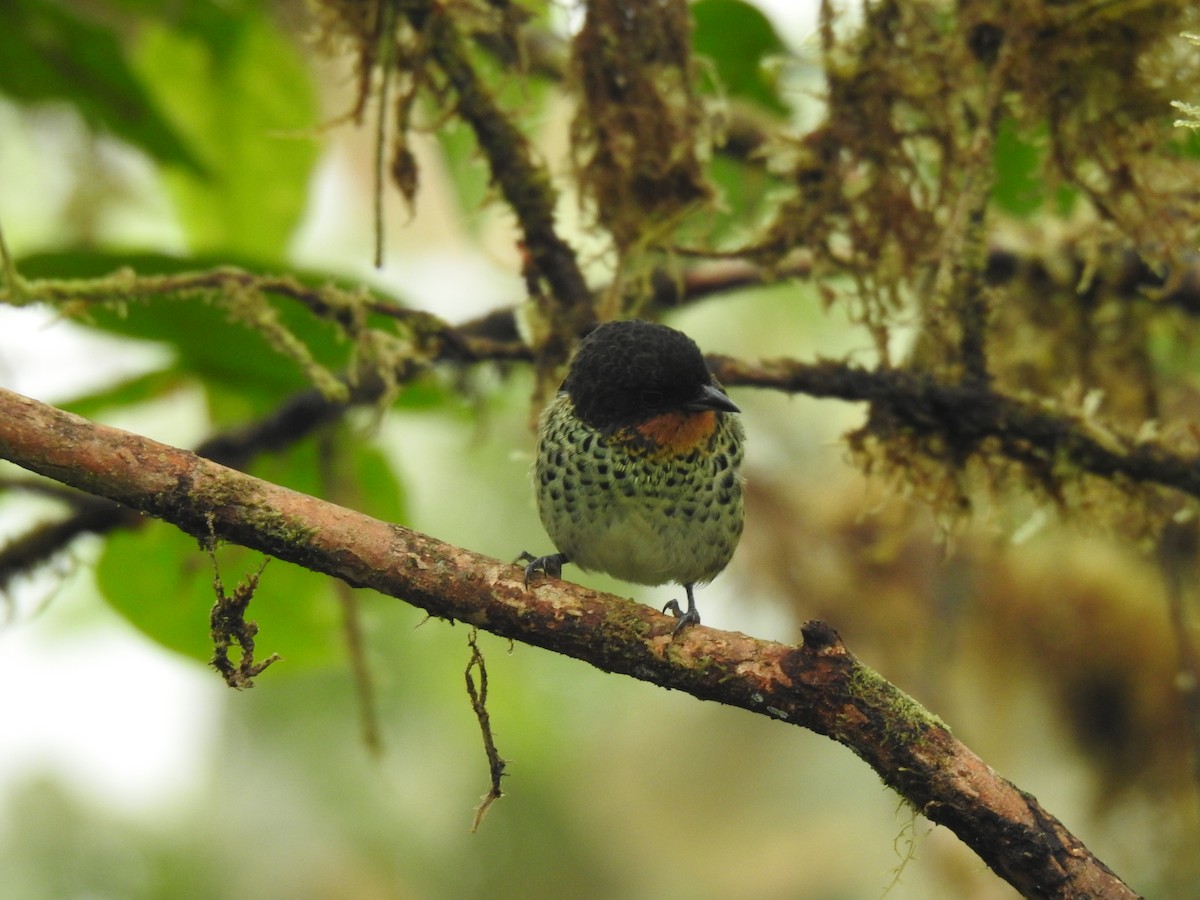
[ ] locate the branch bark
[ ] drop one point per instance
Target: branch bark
(819, 685)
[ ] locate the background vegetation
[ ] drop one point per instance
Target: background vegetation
(987, 207)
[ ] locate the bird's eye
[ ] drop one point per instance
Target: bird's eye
(652, 398)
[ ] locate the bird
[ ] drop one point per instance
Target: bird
(638, 464)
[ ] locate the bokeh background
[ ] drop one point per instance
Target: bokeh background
(128, 769)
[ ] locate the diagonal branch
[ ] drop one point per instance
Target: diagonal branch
(965, 415)
(524, 183)
(818, 685)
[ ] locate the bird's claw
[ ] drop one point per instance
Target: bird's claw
(691, 617)
(551, 564)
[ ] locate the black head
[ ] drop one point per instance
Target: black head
(628, 372)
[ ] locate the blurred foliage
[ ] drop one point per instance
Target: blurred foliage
(55, 52)
(741, 44)
(904, 151)
(243, 96)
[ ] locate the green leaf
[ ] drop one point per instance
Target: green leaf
(377, 491)
(1019, 188)
(739, 39)
(472, 177)
(1184, 143)
(223, 351)
(129, 392)
(339, 464)
(51, 53)
(242, 94)
(745, 192)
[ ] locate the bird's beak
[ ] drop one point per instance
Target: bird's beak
(711, 397)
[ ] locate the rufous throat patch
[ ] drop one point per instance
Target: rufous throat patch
(678, 432)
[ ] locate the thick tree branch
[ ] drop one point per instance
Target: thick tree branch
(818, 685)
(295, 419)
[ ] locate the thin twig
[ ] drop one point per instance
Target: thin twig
(496, 764)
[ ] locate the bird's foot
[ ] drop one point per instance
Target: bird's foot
(551, 564)
(691, 617)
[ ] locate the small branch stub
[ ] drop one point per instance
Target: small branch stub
(228, 625)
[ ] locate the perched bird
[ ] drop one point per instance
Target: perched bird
(638, 458)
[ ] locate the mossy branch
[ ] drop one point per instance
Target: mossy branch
(964, 417)
(818, 685)
(524, 183)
